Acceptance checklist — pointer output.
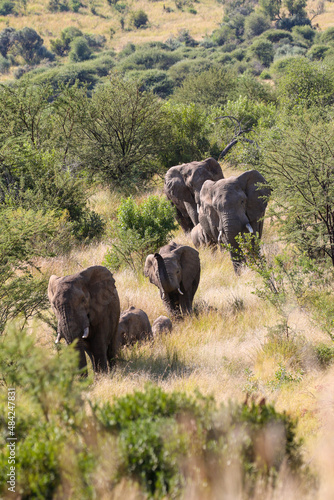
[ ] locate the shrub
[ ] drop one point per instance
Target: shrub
(288, 50)
(4, 65)
(6, 7)
(275, 36)
(317, 52)
(153, 80)
(263, 50)
(123, 131)
(325, 354)
(58, 5)
(149, 58)
(80, 50)
(327, 36)
(61, 46)
(139, 19)
(255, 24)
(139, 229)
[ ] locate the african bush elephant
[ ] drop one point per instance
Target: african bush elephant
(234, 206)
(199, 237)
(133, 325)
(162, 324)
(175, 270)
(87, 307)
(183, 184)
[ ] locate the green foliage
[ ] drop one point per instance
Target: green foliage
(61, 46)
(80, 50)
(306, 84)
(209, 88)
(325, 354)
(263, 50)
(139, 19)
(139, 229)
(153, 80)
(148, 58)
(255, 24)
(297, 162)
(4, 65)
(122, 133)
(288, 280)
(317, 52)
(187, 135)
(6, 7)
(146, 437)
(24, 235)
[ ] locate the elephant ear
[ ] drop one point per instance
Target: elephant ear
(101, 287)
(190, 265)
(52, 286)
(257, 191)
(151, 270)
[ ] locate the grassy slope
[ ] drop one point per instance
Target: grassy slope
(161, 23)
(224, 350)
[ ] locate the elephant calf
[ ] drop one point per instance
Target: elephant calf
(133, 326)
(175, 270)
(162, 325)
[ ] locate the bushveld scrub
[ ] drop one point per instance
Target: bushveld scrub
(139, 229)
(158, 439)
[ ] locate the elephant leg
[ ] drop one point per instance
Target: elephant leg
(98, 354)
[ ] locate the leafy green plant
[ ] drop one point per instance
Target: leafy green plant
(139, 18)
(325, 354)
(138, 230)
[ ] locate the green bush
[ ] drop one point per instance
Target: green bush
(146, 437)
(149, 58)
(263, 50)
(6, 7)
(139, 19)
(80, 50)
(139, 229)
(62, 45)
(255, 24)
(325, 354)
(318, 52)
(4, 65)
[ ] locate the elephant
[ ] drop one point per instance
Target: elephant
(161, 324)
(175, 270)
(182, 187)
(87, 308)
(199, 237)
(133, 325)
(234, 206)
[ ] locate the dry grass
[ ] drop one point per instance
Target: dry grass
(223, 350)
(161, 23)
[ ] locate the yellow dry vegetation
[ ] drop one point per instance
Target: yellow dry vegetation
(161, 25)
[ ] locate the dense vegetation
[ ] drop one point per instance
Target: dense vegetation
(77, 119)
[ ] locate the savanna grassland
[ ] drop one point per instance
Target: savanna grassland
(97, 102)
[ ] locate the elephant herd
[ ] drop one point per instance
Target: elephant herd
(214, 209)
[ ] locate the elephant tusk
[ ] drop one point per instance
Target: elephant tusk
(58, 339)
(163, 295)
(179, 290)
(219, 236)
(249, 227)
(197, 208)
(86, 332)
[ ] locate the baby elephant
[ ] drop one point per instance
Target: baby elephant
(162, 325)
(133, 325)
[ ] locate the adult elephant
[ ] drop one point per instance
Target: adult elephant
(234, 206)
(182, 187)
(87, 307)
(175, 270)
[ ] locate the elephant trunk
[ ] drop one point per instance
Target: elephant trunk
(166, 285)
(70, 331)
